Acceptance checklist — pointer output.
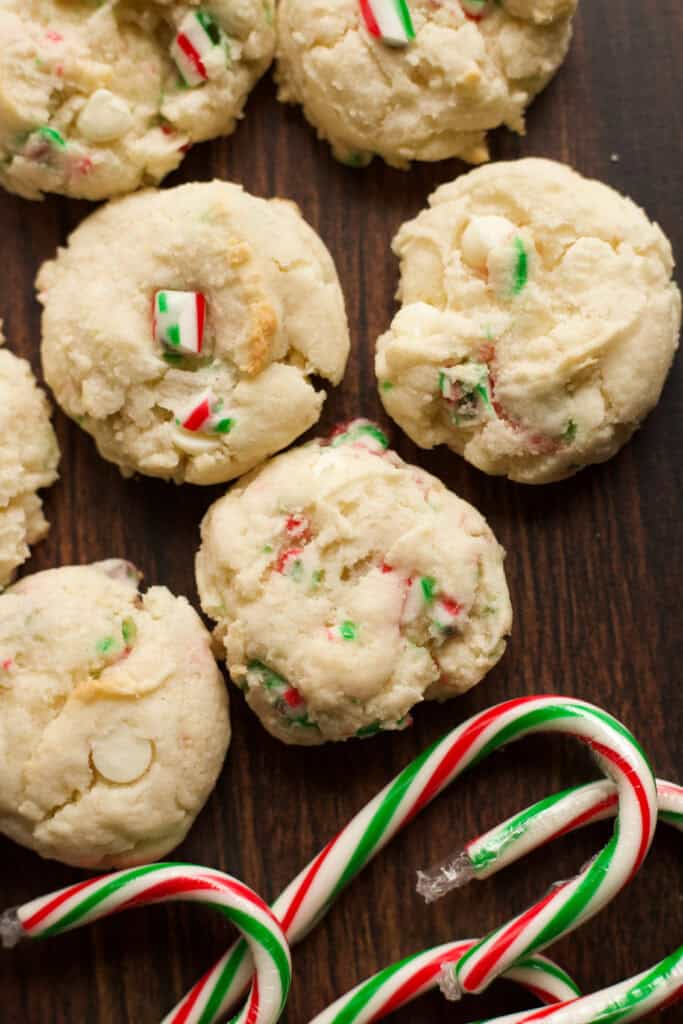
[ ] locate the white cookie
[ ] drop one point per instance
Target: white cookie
(97, 100)
(538, 325)
(349, 586)
(113, 716)
(29, 456)
(434, 98)
(131, 375)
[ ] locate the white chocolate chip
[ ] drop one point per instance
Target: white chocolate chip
(192, 443)
(482, 235)
(104, 117)
(120, 756)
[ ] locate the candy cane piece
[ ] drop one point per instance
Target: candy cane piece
(197, 38)
(96, 898)
(388, 20)
(206, 415)
(179, 319)
(402, 983)
(362, 434)
(311, 894)
(475, 9)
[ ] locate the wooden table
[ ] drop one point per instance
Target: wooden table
(594, 566)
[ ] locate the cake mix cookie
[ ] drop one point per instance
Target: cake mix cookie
(97, 99)
(28, 461)
(181, 329)
(349, 586)
(417, 79)
(113, 716)
(538, 325)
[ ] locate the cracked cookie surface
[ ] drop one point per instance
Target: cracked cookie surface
(273, 317)
(114, 716)
(29, 456)
(539, 321)
(93, 98)
(348, 586)
(433, 99)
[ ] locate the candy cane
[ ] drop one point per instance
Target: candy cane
(542, 823)
(547, 820)
(206, 415)
(631, 1000)
(655, 989)
(310, 895)
(162, 883)
(198, 36)
(400, 984)
(179, 319)
(388, 20)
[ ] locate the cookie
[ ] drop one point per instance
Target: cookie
(181, 329)
(421, 80)
(539, 321)
(97, 100)
(29, 456)
(348, 586)
(113, 716)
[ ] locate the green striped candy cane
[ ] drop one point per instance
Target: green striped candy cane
(546, 821)
(399, 984)
(311, 894)
(96, 898)
(631, 1000)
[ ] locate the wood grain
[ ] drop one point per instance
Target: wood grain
(594, 566)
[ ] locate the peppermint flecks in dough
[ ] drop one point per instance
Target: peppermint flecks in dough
(29, 456)
(539, 321)
(349, 586)
(114, 718)
(429, 87)
(99, 99)
(181, 329)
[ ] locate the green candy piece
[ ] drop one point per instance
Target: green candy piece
(348, 630)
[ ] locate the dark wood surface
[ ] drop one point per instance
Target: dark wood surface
(594, 566)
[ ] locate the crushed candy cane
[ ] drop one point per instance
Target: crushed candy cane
(301, 566)
(195, 48)
(45, 145)
(423, 595)
(179, 321)
(388, 20)
(445, 616)
(361, 433)
(298, 527)
(284, 697)
(206, 416)
(476, 9)
(467, 389)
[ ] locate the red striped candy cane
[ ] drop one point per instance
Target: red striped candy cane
(546, 821)
(388, 20)
(96, 898)
(631, 1000)
(310, 895)
(400, 984)
(656, 989)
